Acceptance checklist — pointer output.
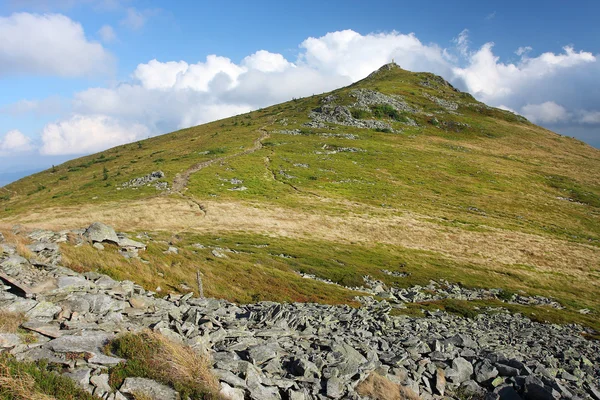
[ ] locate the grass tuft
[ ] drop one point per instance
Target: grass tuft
(153, 356)
(34, 381)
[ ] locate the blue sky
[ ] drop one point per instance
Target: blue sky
(80, 76)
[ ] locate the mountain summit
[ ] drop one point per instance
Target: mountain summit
(399, 172)
(433, 236)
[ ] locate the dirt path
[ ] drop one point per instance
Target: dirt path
(181, 180)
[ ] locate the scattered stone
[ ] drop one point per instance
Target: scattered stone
(149, 388)
(99, 232)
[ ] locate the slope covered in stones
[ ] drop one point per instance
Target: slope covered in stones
(85, 327)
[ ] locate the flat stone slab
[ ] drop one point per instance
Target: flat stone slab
(17, 287)
(148, 387)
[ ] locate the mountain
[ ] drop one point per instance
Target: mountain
(399, 177)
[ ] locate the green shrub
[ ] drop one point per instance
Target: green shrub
(359, 113)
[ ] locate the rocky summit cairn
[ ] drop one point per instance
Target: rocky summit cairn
(286, 351)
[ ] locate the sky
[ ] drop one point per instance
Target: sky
(81, 76)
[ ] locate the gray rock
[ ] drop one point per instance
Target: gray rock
(91, 342)
(507, 393)
(505, 370)
(485, 371)
(9, 340)
(101, 384)
(148, 387)
(335, 388)
(43, 311)
(263, 353)
(231, 393)
(80, 376)
(99, 232)
(593, 391)
(534, 390)
(461, 371)
(349, 359)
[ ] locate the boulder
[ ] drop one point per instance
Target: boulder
(461, 371)
(99, 232)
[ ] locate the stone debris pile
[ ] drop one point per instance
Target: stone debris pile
(289, 351)
(148, 180)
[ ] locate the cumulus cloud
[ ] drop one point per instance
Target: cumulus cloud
(14, 142)
(50, 44)
(166, 95)
(107, 34)
(86, 134)
(545, 113)
(493, 81)
(265, 61)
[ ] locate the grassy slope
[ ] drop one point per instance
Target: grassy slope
(477, 204)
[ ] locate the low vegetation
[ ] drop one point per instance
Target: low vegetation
(151, 355)
(35, 381)
(10, 321)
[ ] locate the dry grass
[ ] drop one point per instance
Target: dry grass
(151, 355)
(19, 386)
(35, 381)
(20, 242)
(141, 396)
(184, 364)
(365, 225)
(10, 321)
(377, 387)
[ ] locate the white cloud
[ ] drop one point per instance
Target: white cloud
(107, 34)
(545, 113)
(265, 61)
(589, 117)
(14, 142)
(490, 16)
(163, 96)
(50, 44)
(462, 42)
(506, 108)
(492, 80)
(134, 19)
(86, 134)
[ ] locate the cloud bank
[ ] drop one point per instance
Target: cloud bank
(50, 44)
(555, 89)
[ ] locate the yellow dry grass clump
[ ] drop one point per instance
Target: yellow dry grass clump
(10, 321)
(19, 386)
(377, 387)
(152, 355)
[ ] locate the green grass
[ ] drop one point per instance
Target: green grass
(28, 380)
(262, 267)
